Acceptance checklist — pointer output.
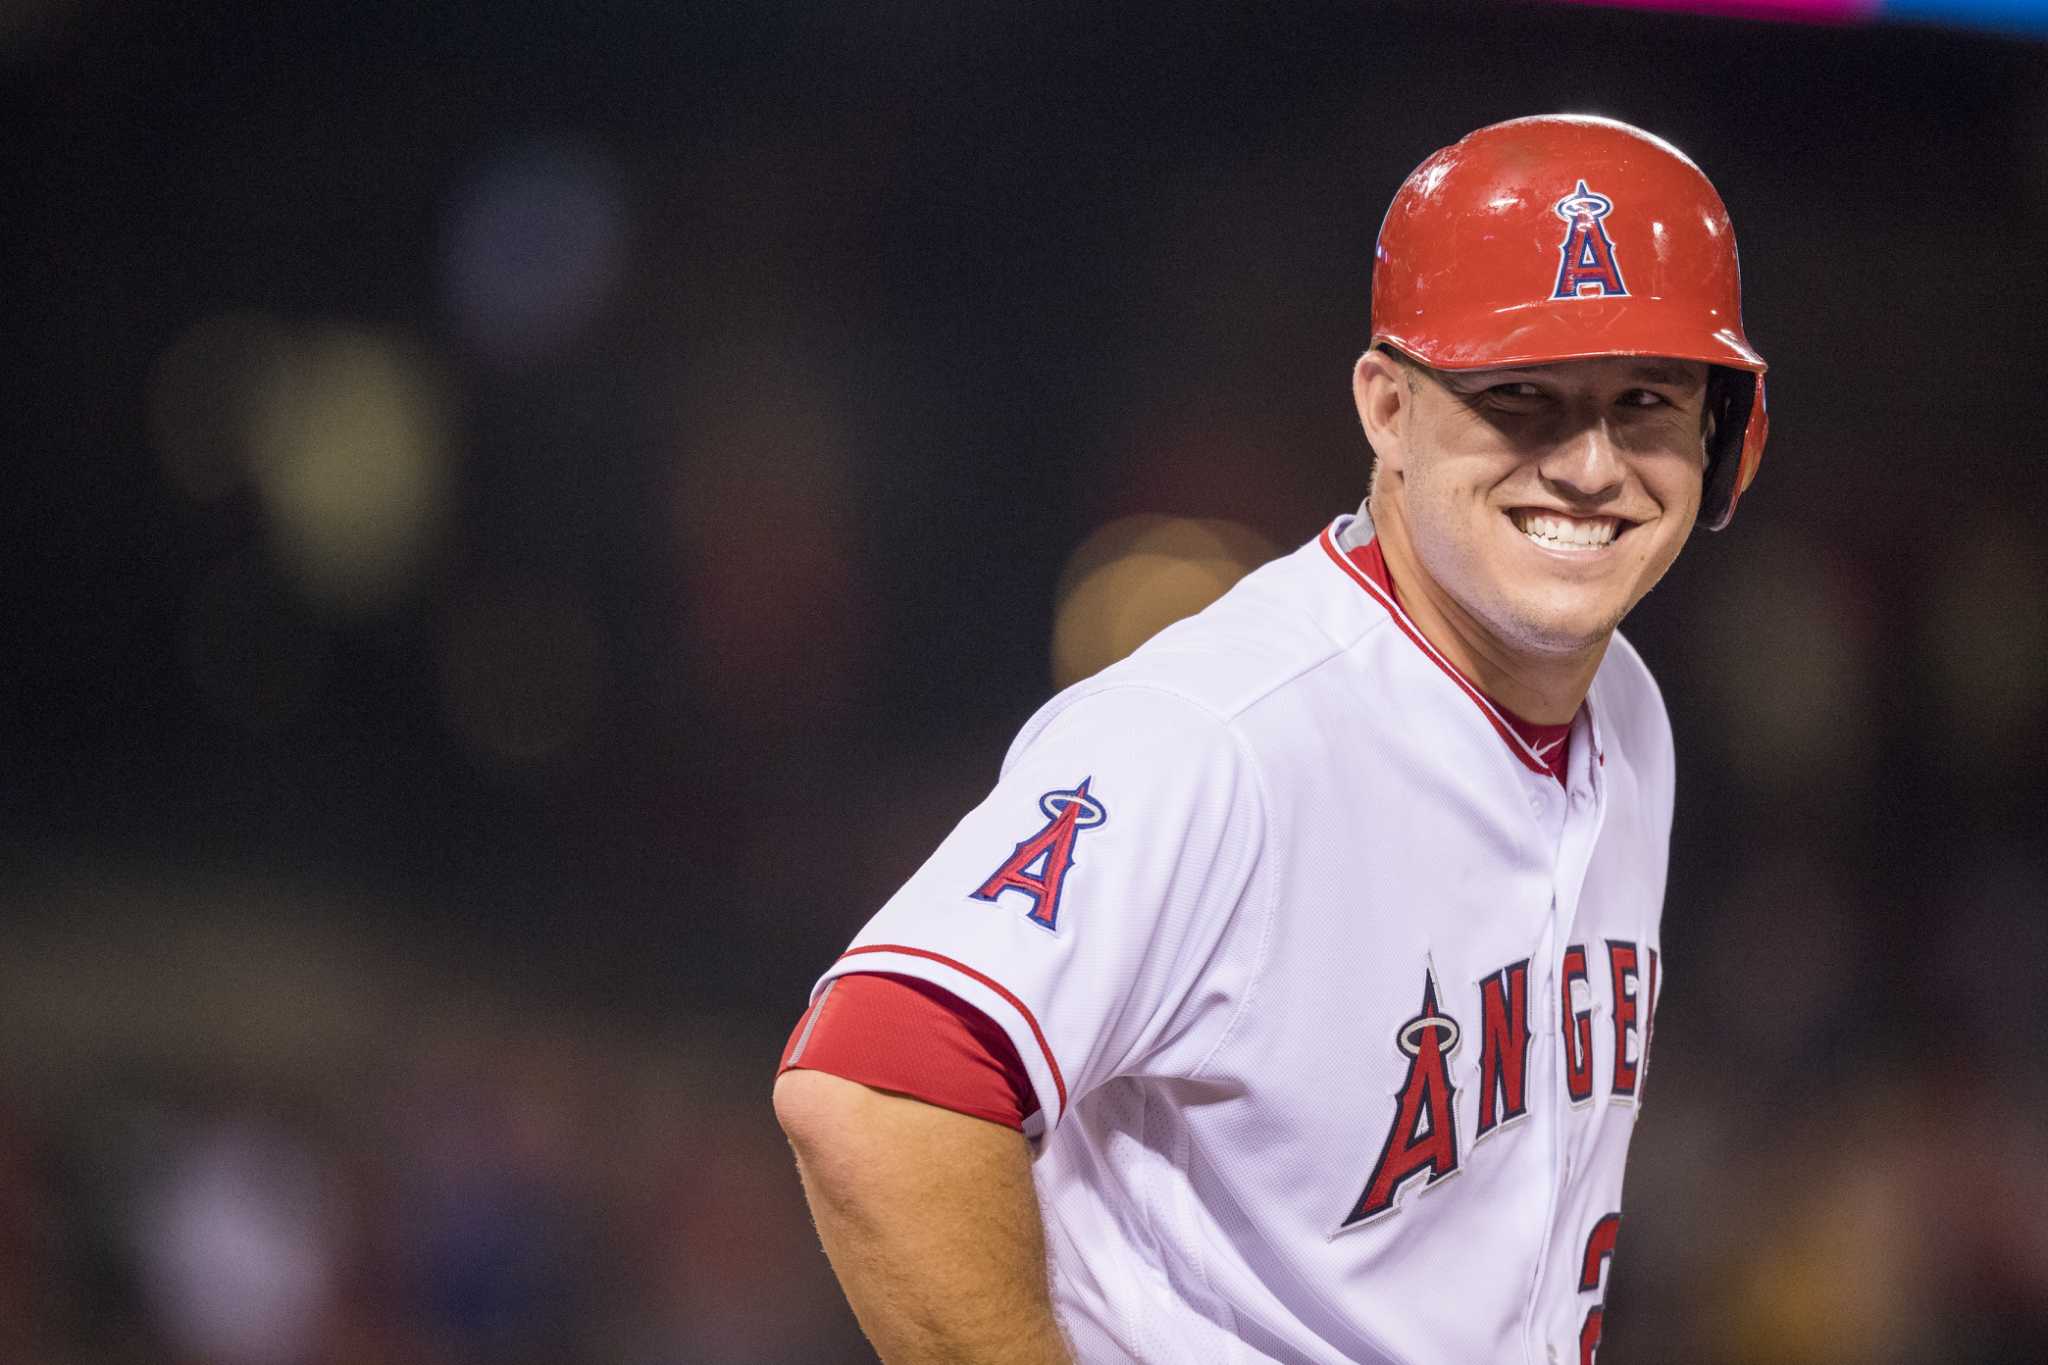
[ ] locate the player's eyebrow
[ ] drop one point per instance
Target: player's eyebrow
(1642, 371)
(1661, 372)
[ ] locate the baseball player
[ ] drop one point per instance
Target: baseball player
(1291, 996)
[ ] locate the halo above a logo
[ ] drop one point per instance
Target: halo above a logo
(1056, 802)
(1583, 203)
(1410, 1036)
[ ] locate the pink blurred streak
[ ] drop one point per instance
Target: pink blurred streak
(1800, 11)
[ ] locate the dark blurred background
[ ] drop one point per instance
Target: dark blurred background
(528, 521)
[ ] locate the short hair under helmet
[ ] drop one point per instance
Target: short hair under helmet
(1563, 237)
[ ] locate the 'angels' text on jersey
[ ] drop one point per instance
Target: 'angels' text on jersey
(1423, 1137)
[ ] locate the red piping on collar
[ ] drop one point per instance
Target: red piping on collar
(1381, 591)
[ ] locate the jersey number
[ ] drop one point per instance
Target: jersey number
(1599, 1249)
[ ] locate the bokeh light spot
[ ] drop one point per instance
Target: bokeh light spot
(1136, 576)
(533, 249)
(349, 454)
(771, 566)
(237, 1241)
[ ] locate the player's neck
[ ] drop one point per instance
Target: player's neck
(1540, 687)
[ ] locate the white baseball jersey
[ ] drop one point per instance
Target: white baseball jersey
(1337, 1005)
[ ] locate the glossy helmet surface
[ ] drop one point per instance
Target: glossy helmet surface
(1564, 237)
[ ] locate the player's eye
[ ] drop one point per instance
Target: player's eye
(1519, 396)
(1644, 398)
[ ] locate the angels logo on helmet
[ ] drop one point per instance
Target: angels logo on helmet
(1586, 257)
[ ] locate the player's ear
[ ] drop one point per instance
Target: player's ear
(1381, 389)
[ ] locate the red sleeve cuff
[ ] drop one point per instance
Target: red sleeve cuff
(900, 1034)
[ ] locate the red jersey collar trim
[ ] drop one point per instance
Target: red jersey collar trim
(1367, 567)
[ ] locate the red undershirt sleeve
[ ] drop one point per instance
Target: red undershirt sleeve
(907, 1036)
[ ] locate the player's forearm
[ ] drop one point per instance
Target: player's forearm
(930, 1221)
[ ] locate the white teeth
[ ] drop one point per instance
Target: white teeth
(1567, 533)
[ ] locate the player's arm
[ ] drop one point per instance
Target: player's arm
(930, 1220)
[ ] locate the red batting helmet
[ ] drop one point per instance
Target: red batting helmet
(1562, 237)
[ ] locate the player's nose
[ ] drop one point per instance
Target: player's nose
(1586, 465)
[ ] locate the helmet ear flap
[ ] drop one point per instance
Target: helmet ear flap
(1735, 437)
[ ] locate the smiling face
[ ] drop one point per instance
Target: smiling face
(1540, 503)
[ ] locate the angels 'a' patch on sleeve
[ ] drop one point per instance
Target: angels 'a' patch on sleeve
(1038, 867)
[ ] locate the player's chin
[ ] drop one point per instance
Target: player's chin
(1568, 620)
(1570, 637)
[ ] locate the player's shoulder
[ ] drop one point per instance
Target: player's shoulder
(1190, 683)
(1277, 624)
(1201, 677)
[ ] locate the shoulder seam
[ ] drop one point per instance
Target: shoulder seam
(1336, 649)
(1222, 718)
(1270, 877)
